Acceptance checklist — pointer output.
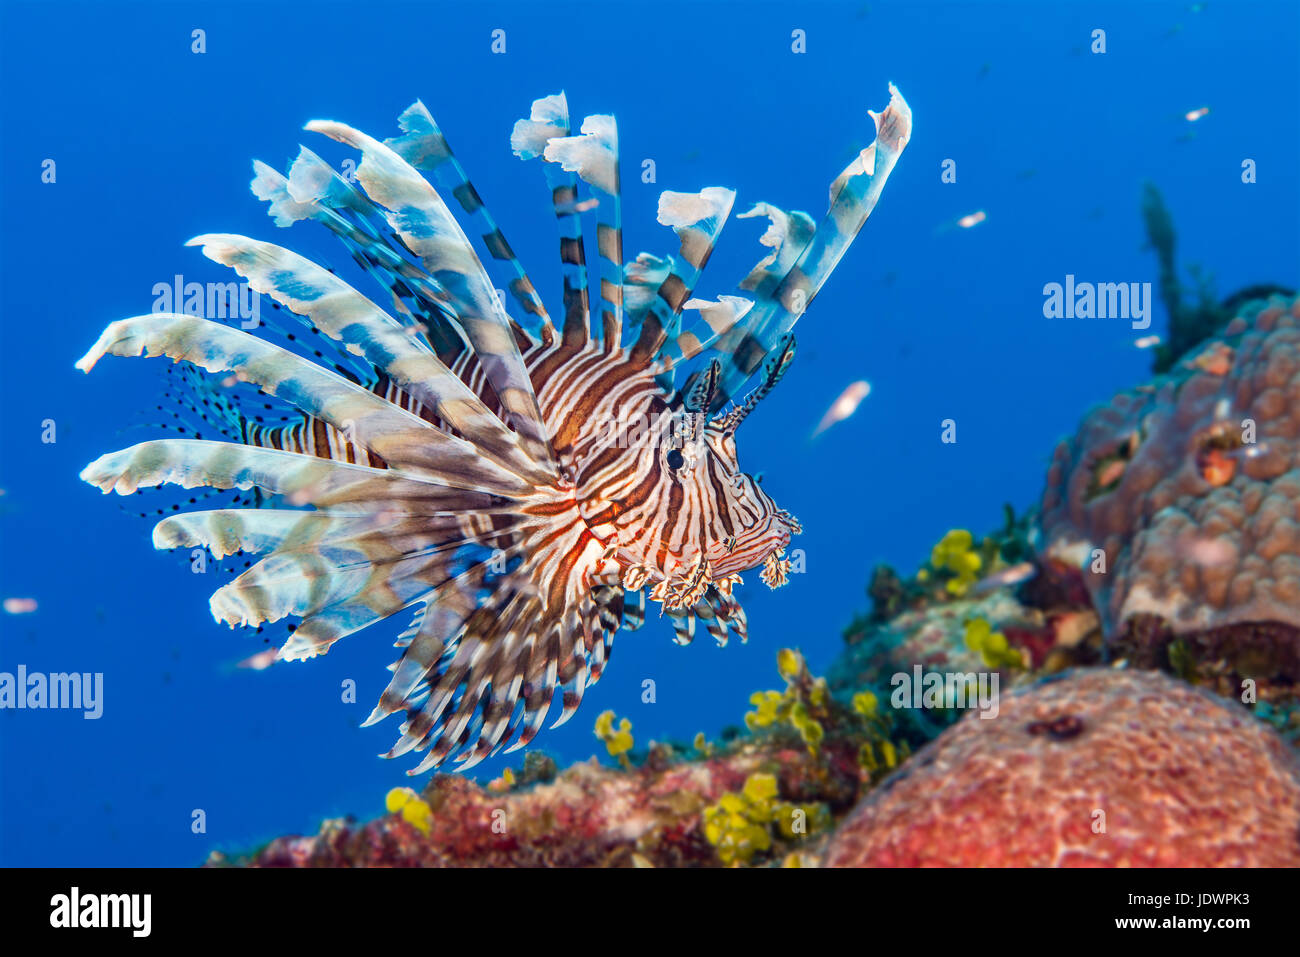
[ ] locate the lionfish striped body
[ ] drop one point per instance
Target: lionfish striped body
(521, 484)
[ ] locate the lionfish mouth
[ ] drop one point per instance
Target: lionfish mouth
(766, 550)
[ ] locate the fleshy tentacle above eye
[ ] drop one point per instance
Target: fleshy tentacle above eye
(776, 370)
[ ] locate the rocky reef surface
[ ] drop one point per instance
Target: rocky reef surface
(1178, 504)
(1110, 679)
(1104, 767)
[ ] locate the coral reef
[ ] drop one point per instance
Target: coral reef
(807, 708)
(889, 595)
(765, 798)
(951, 573)
(944, 636)
(1099, 767)
(799, 706)
(589, 816)
(992, 646)
(1179, 505)
(413, 809)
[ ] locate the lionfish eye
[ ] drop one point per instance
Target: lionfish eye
(675, 459)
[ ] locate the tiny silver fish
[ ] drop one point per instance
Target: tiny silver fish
(1011, 575)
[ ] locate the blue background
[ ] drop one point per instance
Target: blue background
(153, 144)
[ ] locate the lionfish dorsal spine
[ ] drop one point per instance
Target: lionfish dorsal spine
(786, 281)
(426, 226)
(593, 155)
(548, 120)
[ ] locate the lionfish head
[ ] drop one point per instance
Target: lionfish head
(751, 530)
(742, 526)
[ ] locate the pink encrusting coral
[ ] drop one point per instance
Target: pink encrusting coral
(586, 816)
(1179, 502)
(1099, 768)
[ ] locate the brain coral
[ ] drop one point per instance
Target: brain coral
(1191, 487)
(1182, 778)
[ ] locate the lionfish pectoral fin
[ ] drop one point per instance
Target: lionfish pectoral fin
(339, 312)
(398, 437)
(489, 657)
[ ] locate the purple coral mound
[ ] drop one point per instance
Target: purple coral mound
(1102, 768)
(1191, 487)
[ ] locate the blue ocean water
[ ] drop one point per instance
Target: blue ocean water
(152, 144)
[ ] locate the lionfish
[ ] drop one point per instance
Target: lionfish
(520, 487)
